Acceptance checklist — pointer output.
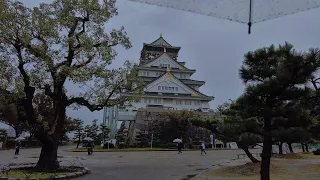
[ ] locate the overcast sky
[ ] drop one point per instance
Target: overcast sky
(213, 47)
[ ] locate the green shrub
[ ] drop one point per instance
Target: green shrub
(111, 146)
(168, 146)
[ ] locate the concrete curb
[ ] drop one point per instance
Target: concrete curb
(71, 175)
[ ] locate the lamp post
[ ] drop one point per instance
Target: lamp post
(149, 119)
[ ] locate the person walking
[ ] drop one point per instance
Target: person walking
(18, 145)
(203, 148)
(90, 148)
(179, 146)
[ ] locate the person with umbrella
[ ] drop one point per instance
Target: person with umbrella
(18, 144)
(179, 145)
(89, 145)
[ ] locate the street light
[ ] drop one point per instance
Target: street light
(149, 119)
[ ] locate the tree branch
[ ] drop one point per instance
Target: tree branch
(58, 65)
(314, 83)
(28, 90)
(47, 90)
(43, 55)
(71, 46)
(94, 107)
(84, 63)
(84, 20)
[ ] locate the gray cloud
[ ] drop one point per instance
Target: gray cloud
(213, 47)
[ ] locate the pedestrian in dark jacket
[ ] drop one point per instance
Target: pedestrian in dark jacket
(18, 145)
(203, 148)
(179, 146)
(90, 148)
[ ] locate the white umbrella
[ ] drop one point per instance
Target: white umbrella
(242, 11)
(177, 141)
(88, 139)
(20, 139)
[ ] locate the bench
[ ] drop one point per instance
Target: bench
(244, 155)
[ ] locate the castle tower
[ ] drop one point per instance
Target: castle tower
(169, 82)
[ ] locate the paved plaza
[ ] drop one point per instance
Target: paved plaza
(153, 165)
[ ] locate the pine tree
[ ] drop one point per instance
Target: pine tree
(104, 133)
(121, 136)
(142, 138)
(79, 131)
(275, 76)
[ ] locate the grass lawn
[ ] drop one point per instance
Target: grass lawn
(292, 166)
(36, 175)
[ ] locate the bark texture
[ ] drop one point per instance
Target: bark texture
(267, 148)
(266, 156)
(48, 160)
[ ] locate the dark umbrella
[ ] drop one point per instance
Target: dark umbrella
(242, 11)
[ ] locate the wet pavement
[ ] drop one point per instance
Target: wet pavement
(153, 165)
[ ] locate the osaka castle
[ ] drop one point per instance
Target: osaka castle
(168, 81)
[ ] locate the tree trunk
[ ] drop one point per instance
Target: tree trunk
(253, 159)
(302, 146)
(266, 156)
(280, 148)
(290, 147)
(78, 143)
(48, 160)
(307, 148)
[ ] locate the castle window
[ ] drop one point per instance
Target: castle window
(188, 102)
(178, 102)
(165, 65)
(176, 88)
(157, 101)
(196, 102)
(159, 87)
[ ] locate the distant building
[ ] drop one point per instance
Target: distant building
(169, 87)
(169, 83)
